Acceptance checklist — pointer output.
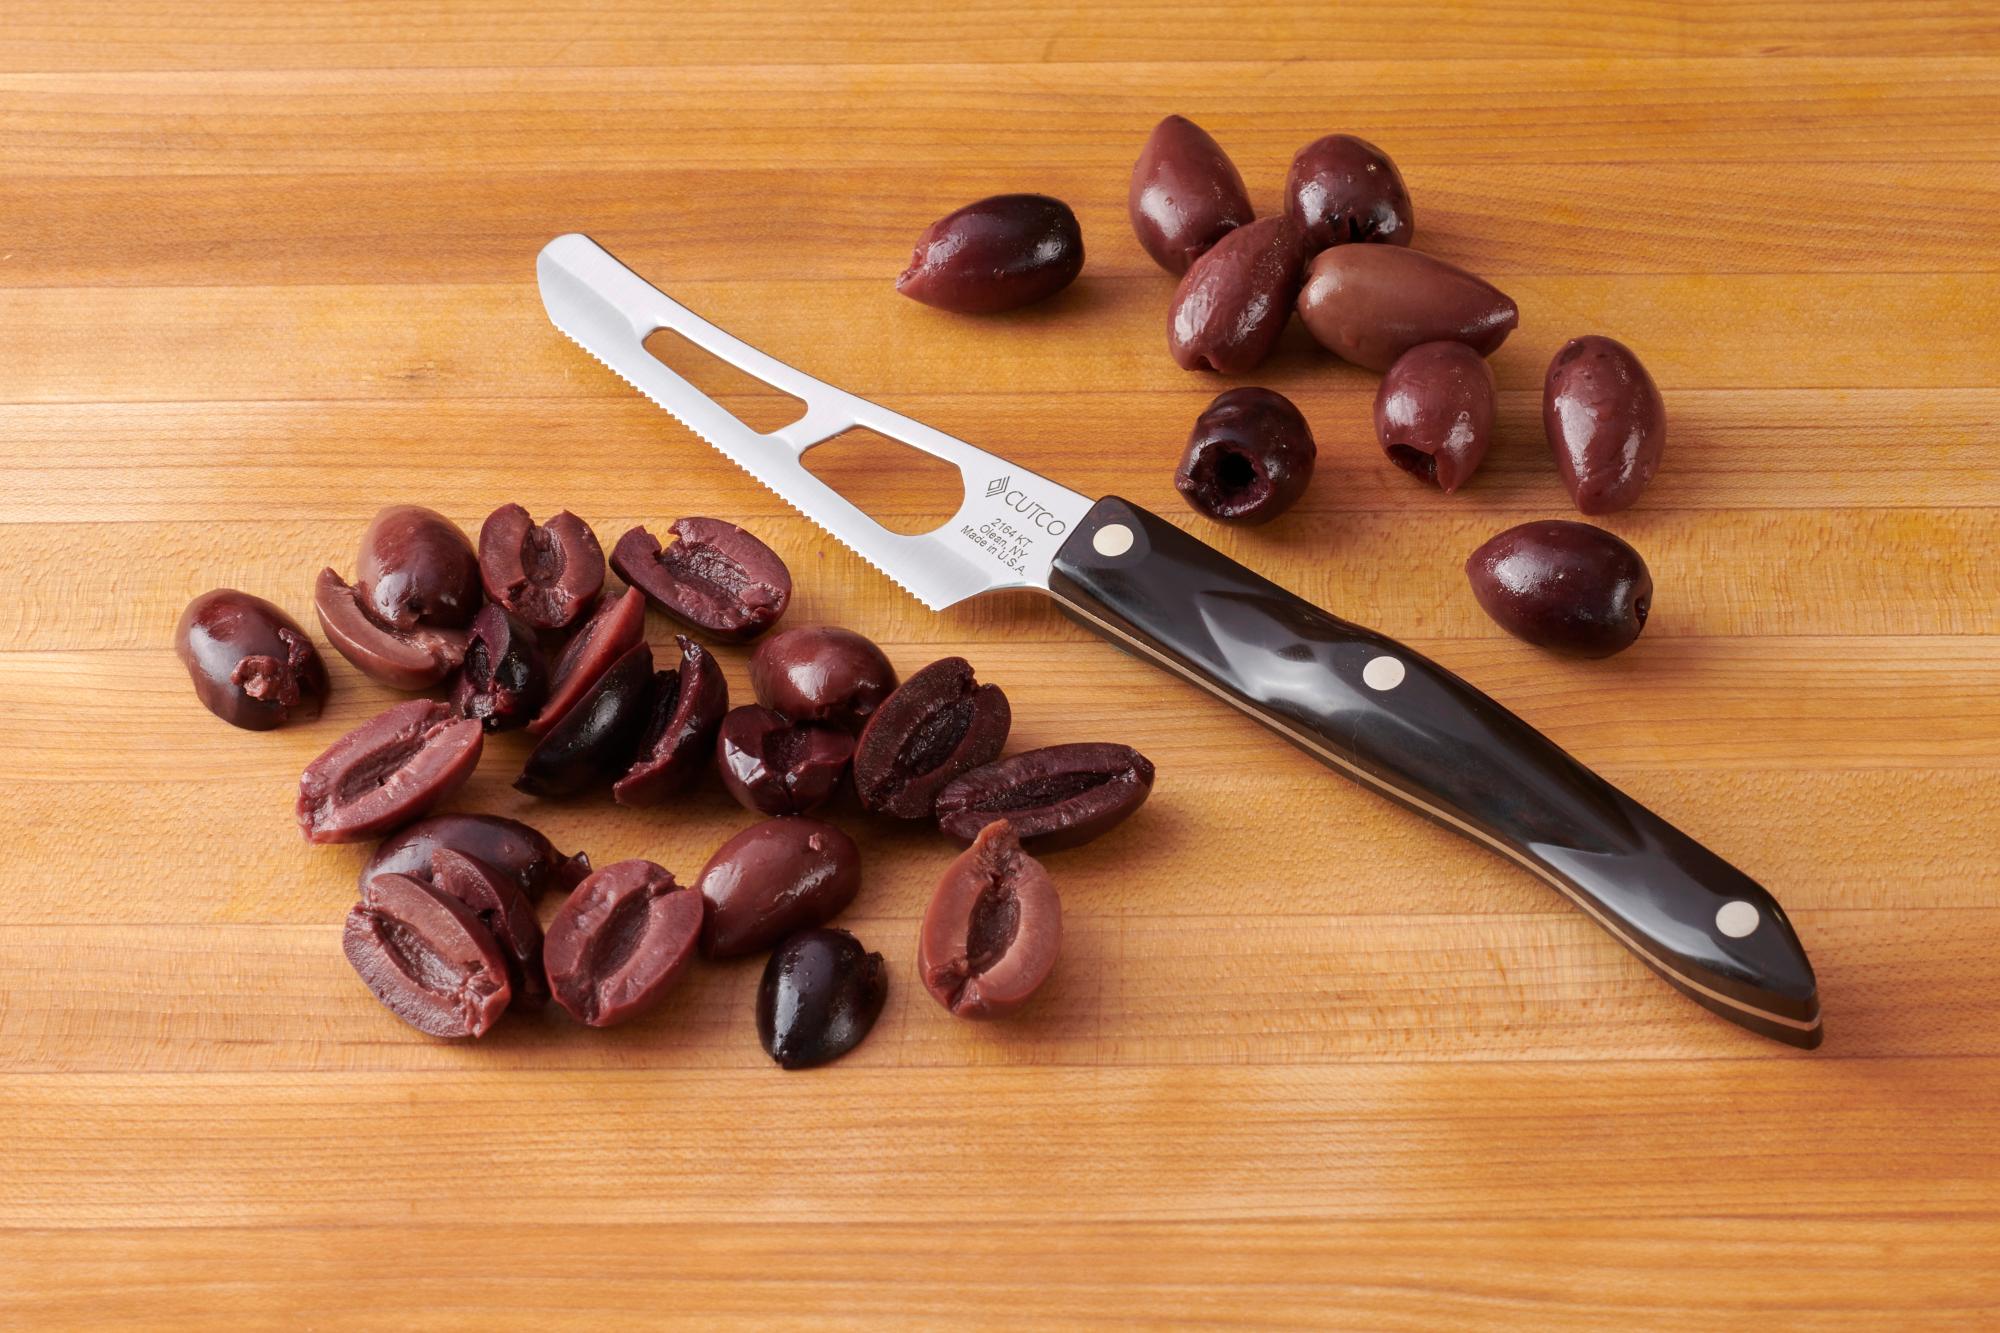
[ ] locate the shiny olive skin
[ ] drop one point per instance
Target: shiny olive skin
(596, 741)
(1185, 195)
(773, 878)
(1434, 413)
(417, 568)
(1248, 458)
(1565, 586)
(1369, 304)
(821, 673)
(1342, 189)
(997, 254)
(251, 664)
(820, 996)
(515, 849)
(1233, 301)
(1605, 423)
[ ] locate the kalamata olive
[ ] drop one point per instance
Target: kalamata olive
(938, 724)
(994, 927)
(1562, 585)
(1342, 189)
(620, 942)
(1186, 194)
(1434, 412)
(1369, 304)
(611, 632)
(251, 664)
(1605, 422)
(505, 911)
(997, 254)
(595, 741)
(507, 845)
(427, 957)
(821, 673)
(678, 741)
(1056, 797)
(547, 575)
(715, 577)
(417, 568)
(404, 659)
(504, 679)
(387, 771)
(778, 767)
(1248, 458)
(1233, 301)
(774, 878)
(821, 994)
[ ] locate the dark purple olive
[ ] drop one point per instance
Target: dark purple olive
(387, 771)
(1248, 458)
(620, 942)
(412, 659)
(1605, 422)
(821, 673)
(417, 568)
(1565, 586)
(1233, 301)
(548, 574)
(1342, 189)
(1434, 412)
(715, 577)
(774, 878)
(778, 767)
(679, 738)
(1056, 797)
(251, 664)
(994, 927)
(997, 254)
(504, 679)
(595, 741)
(821, 994)
(938, 724)
(611, 632)
(1186, 194)
(1369, 304)
(505, 911)
(427, 957)
(507, 845)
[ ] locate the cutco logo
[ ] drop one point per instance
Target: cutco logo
(1019, 502)
(994, 488)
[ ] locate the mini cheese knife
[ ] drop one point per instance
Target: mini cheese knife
(1363, 704)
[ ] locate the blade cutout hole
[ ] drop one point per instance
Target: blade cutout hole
(903, 489)
(753, 402)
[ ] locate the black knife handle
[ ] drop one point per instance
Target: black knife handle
(1396, 721)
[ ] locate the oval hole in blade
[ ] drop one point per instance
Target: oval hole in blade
(903, 489)
(750, 400)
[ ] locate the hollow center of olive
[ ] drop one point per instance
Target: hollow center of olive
(1640, 606)
(1052, 789)
(478, 667)
(619, 939)
(935, 738)
(705, 569)
(1235, 474)
(414, 957)
(373, 769)
(542, 556)
(996, 919)
(1414, 461)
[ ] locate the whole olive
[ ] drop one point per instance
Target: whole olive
(1343, 189)
(251, 664)
(1562, 585)
(1186, 194)
(1233, 301)
(821, 673)
(417, 568)
(1369, 304)
(999, 253)
(1605, 422)
(1434, 412)
(1248, 458)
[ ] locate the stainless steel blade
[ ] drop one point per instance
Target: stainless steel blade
(1007, 527)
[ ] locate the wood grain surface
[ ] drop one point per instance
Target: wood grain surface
(266, 265)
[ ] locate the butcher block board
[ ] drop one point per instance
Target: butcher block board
(1306, 1060)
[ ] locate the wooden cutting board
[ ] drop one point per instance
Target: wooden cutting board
(267, 265)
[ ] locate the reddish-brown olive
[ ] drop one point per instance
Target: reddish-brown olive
(1233, 301)
(404, 659)
(417, 568)
(820, 995)
(1434, 412)
(993, 929)
(427, 957)
(504, 679)
(1248, 458)
(620, 942)
(1341, 189)
(1605, 422)
(1185, 195)
(938, 724)
(821, 673)
(714, 577)
(1369, 304)
(387, 771)
(1562, 585)
(595, 741)
(515, 849)
(997, 254)
(778, 767)
(547, 575)
(774, 878)
(612, 631)
(678, 741)
(497, 901)
(1055, 797)
(251, 664)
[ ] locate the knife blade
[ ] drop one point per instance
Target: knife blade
(1368, 707)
